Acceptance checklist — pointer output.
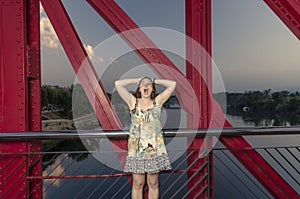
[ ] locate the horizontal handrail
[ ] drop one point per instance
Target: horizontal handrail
(119, 134)
(111, 134)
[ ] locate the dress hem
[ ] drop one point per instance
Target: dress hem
(147, 165)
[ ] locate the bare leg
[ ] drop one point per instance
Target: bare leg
(137, 187)
(152, 181)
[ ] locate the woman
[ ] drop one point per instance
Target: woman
(147, 153)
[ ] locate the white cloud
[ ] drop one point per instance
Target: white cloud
(49, 38)
(42, 11)
(48, 35)
(90, 51)
(56, 169)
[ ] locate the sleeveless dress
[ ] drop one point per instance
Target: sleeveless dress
(146, 148)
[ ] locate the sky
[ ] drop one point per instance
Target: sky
(252, 48)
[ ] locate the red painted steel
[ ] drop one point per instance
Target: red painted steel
(143, 46)
(84, 69)
(259, 168)
(34, 163)
(13, 102)
(153, 56)
(198, 27)
(120, 21)
(81, 64)
(20, 103)
(289, 12)
(93, 175)
(13, 90)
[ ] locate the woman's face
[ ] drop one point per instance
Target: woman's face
(146, 88)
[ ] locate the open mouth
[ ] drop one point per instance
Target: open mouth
(146, 90)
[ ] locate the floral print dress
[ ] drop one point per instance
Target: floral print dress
(146, 149)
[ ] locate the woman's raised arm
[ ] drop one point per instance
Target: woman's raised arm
(165, 95)
(123, 92)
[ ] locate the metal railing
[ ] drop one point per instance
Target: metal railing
(73, 134)
(71, 171)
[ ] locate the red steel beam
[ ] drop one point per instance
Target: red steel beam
(259, 168)
(35, 186)
(109, 10)
(289, 13)
(81, 64)
(85, 71)
(147, 50)
(140, 43)
(13, 96)
(120, 21)
(143, 46)
(198, 28)
(20, 97)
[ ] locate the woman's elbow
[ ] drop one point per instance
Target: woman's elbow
(174, 84)
(117, 83)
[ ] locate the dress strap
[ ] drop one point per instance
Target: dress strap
(136, 103)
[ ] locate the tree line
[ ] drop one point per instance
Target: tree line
(75, 103)
(264, 103)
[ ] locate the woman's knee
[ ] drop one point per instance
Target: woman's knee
(152, 182)
(138, 182)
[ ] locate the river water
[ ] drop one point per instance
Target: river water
(231, 179)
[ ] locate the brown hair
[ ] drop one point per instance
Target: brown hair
(138, 94)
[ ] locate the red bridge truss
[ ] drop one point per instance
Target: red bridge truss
(20, 90)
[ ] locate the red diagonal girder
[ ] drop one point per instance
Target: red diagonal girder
(259, 168)
(81, 63)
(143, 45)
(147, 45)
(120, 21)
(289, 12)
(84, 70)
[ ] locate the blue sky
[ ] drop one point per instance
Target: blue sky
(252, 48)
